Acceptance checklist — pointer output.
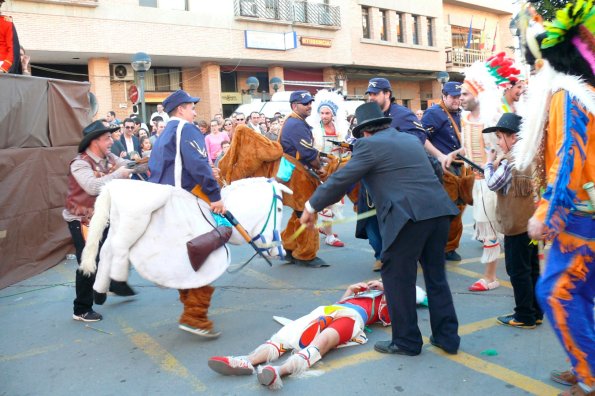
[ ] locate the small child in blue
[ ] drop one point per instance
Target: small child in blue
(515, 205)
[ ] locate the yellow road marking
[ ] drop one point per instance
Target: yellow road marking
(279, 284)
(490, 369)
(473, 274)
(496, 371)
(31, 352)
(476, 326)
(160, 356)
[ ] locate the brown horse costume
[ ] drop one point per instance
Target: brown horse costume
(252, 154)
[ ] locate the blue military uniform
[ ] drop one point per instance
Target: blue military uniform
(196, 169)
(441, 132)
(405, 121)
(297, 139)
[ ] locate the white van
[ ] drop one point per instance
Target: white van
(280, 103)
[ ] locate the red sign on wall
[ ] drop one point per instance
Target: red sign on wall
(133, 93)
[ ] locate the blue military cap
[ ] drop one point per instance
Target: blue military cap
(452, 88)
(177, 98)
(303, 97)
(378, 84)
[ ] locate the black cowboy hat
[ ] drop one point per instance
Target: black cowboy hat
(367, 115)
(508, 123)
(92, 132)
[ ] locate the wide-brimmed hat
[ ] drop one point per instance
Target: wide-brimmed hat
(177, 98)
(92, 132)
(367, 115)
(508, 123)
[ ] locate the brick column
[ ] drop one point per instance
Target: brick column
(99, 77)
(276, 71)
(211, 90)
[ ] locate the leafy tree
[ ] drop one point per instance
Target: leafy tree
(547, 8)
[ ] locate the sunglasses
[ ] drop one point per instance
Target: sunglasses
(240, 119)
(129, 127)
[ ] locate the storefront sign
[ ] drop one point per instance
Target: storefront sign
(316, 42)
(271, 41)
(231, 98)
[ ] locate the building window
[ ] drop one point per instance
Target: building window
(163, 79)
(415, 36)
(399, 29)
(366, 22)
(167, 4)
(431, 32)
(460, 35)
(384, 31)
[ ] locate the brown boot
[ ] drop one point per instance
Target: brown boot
(377, 266)
(196, 306)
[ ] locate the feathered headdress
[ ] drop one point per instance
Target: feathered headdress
(484, 80)
(336, 104)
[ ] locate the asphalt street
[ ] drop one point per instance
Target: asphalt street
(138, 349)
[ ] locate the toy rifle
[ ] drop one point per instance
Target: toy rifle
(471, 163)
(344, 145)
(231, 218)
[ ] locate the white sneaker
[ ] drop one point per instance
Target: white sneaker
(231, 365)
(200, 332)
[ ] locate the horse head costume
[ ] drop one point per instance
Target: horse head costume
(151, 223)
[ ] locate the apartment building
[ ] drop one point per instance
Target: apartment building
(229, 52)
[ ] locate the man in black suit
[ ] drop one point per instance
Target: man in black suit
(128, 139)
(414, 214)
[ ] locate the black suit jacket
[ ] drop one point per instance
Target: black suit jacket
(395, 169)
(135, 143)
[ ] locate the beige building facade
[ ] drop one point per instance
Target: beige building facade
(210, 48)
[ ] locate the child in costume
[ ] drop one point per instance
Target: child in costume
(313, 335)
(514, 206)
(558, 138)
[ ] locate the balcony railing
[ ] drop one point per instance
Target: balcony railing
(464, 57)
(291, 11)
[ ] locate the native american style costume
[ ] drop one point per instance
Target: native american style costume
(558, 139)
(323, 135)
(484, 81)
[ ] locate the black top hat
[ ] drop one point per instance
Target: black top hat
(93, 131)
(367, 115)
(508, 123)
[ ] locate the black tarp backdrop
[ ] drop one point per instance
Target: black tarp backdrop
(41, 123)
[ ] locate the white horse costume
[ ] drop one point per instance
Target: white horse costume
(151, 223)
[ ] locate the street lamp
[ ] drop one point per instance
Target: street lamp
(442, 77)
(253, 84)
(276, 83)
(141, 63)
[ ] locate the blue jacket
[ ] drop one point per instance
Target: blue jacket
(296, 137)
(195, 164)
(440, 130)
(405, 121)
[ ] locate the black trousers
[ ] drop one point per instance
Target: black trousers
(83, 301)
(423, 241)
(522, 266)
